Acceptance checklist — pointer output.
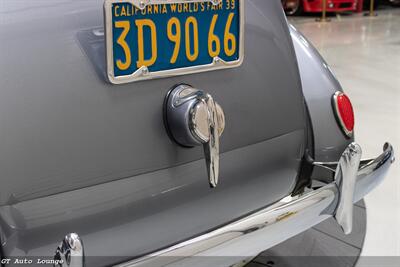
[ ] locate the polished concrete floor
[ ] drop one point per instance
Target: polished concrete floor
(364, 53)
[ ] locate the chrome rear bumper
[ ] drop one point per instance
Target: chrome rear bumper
(250, 235)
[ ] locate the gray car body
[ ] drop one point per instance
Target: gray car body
(319, 85)
(81, 155)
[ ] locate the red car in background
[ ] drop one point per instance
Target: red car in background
(296, 7)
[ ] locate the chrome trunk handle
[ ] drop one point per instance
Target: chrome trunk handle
(193, 118)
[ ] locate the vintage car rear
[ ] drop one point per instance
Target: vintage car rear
(117, 116)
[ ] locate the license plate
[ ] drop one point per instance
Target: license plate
(148, 39)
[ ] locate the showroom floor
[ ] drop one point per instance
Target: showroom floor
(364, 53)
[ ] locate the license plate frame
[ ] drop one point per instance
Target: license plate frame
(143, 73)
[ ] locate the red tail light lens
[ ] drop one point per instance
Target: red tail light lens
(344, 112)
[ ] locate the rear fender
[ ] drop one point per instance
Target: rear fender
(319, 84)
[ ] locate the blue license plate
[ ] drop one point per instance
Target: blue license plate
(171, 37)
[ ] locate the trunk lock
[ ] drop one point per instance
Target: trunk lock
(193, 118)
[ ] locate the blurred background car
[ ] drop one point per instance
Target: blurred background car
(297, 7)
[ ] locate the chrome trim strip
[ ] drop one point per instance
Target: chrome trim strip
(143, 73)
(275, 223)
